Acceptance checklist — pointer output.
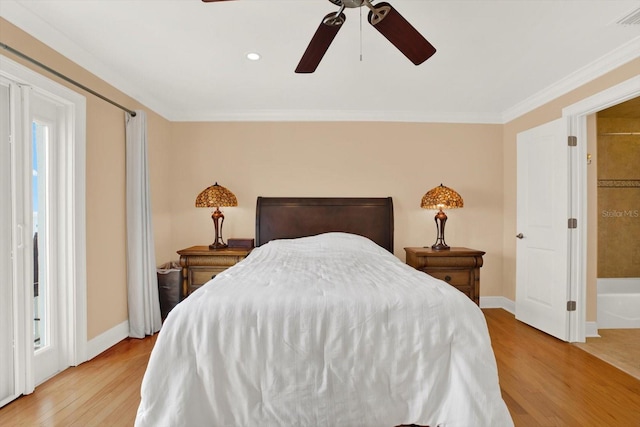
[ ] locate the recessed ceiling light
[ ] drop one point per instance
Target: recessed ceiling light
(253, 56)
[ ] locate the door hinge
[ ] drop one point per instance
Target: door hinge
(573, 223)
(573, 141)
(571, 306)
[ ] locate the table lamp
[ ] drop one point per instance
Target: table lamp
(440, 198)
(216, 196)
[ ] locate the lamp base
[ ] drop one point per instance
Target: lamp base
(218, 245)
(440, 247)
(218, 220)
(441, 220)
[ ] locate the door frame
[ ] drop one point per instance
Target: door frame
(72, 271)
(576, 117)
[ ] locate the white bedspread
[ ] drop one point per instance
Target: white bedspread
(330, 330)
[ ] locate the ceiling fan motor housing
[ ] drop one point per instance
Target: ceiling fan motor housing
(348, 3)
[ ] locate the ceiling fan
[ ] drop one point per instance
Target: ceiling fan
(384, 18)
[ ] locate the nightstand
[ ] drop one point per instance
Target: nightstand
(459, 267)
(201, 264)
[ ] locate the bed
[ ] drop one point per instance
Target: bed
(321, 325)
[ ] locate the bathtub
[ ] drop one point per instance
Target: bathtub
(618, 303)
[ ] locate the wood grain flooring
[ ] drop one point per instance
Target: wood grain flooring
(619, 347)
(102, 392)
(545, 382)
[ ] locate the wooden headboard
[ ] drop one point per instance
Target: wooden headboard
(292, 217)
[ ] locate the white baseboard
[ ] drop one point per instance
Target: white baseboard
(107, 339)
(498, 302)
(591, 330)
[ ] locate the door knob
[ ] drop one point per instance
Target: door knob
(520, 236)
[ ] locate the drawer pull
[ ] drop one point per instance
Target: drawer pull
(447, 278)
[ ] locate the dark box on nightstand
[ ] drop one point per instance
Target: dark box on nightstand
(240, 243)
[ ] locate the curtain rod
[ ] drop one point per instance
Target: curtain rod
(62, 76)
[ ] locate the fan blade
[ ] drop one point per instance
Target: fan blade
(320, 42)
(401, 33)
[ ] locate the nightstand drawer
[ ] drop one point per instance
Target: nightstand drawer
(200, 276)
(459, 267)
(200, 264)
(452, 277)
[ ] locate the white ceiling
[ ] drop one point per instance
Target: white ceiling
(185, 59)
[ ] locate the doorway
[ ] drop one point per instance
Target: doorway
(43, 321)
(575, 118)
(618, 225)
(577, 115)
(615, 209)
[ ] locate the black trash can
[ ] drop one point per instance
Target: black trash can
(169, 284)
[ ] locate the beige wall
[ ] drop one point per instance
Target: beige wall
(105, 184)
(402, 160)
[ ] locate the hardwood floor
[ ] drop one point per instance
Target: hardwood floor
(619, 347)
(545, 382)
(102, 392)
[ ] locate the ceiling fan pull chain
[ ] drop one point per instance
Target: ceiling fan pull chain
(383, 17)
(360, 34)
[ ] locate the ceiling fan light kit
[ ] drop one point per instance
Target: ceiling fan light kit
(383, 17)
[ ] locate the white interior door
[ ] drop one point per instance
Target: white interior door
(542, 259)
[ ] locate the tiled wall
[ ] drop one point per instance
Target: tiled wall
(618, 162)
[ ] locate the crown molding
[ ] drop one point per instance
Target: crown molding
(612, 60)
(41, 30)
(335, 116)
